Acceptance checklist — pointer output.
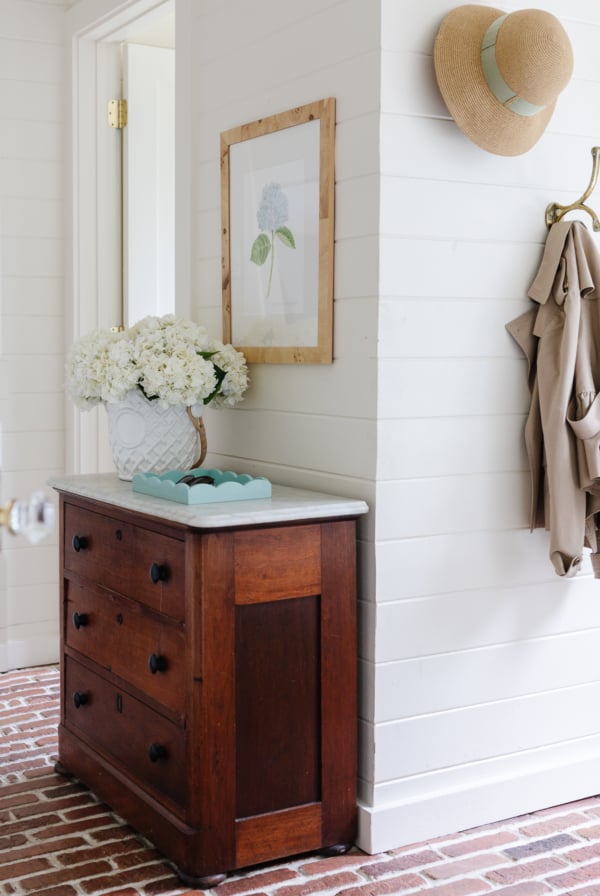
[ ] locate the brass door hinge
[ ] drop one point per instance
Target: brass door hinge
(117, 113)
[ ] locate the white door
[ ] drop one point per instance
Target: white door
(149, 182)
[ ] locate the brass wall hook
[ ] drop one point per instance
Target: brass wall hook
(554, 211)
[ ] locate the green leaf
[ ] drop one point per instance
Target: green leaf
(260, 249)
(220, 375)
(286, 236)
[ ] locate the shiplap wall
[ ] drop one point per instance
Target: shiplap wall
(487, 665)
(308, 425)
(479, 668)
(311, 426)
(479, 673)
(32, 57)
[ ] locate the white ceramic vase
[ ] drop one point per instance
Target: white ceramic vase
(146, 438)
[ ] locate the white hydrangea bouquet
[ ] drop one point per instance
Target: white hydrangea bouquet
(155, 379)
(170, 360)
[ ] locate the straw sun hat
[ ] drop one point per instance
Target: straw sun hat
(500, 75)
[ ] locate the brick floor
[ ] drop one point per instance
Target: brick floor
(57, 839)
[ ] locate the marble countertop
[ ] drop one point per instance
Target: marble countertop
(286, 504)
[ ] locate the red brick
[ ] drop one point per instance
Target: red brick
(10, 744)
(526, 888)
(64, 890)
(130, 891)
(333, 863)
(384, 887)
(474, 863)
(400, 863)
(18, 853)
(12, 841)
(41, 772)
(583, 854)
(141, 855)
(476, 844)
(96, 884)
(318, 884)
(18, 799)
(15, 870)
(38, 883)
(594, 890)
(550, 825)
(60, 787)
(65, 829)
(111, 830)
(463, 887)
(575, 876)
(27, 786)
(91, 853)
(88, 810)
(591, 833)
(33, 725)
(261, 880)
(549, 845)
(10, 827)
(65, 802)
(525, 870)
(166, 886)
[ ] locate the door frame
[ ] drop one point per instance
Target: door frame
(93, 217)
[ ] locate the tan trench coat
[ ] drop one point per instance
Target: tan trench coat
(560, 337)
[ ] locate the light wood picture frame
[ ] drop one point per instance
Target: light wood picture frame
(277, 211)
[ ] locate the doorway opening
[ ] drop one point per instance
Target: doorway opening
(147, 148)
(130, 220)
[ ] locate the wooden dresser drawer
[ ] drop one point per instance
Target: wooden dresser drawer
(145, 649)
(148, 747)
(132, 560)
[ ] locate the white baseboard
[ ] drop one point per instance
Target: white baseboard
(441, 812)
(34, 650)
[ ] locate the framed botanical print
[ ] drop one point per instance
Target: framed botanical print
(277, 206)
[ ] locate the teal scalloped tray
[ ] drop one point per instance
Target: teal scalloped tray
(228, 486)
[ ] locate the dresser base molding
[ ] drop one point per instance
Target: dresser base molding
(259, 839)
(178, 841)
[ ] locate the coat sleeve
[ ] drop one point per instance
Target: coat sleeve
(522, 331)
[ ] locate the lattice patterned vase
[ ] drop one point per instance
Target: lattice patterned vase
(147, 438)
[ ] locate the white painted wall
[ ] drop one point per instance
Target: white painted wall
(311, 425)
(479, 668)
(31, 312)
(486, 664)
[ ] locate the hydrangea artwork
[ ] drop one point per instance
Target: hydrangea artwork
(271, 216)
(170, 360)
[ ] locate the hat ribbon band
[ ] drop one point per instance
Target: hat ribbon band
(503, 93)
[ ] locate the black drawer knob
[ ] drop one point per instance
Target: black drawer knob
(159, 573)
(80, 543)
(157, 663)
(156, 752)
(80, 699)
(80, 620)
